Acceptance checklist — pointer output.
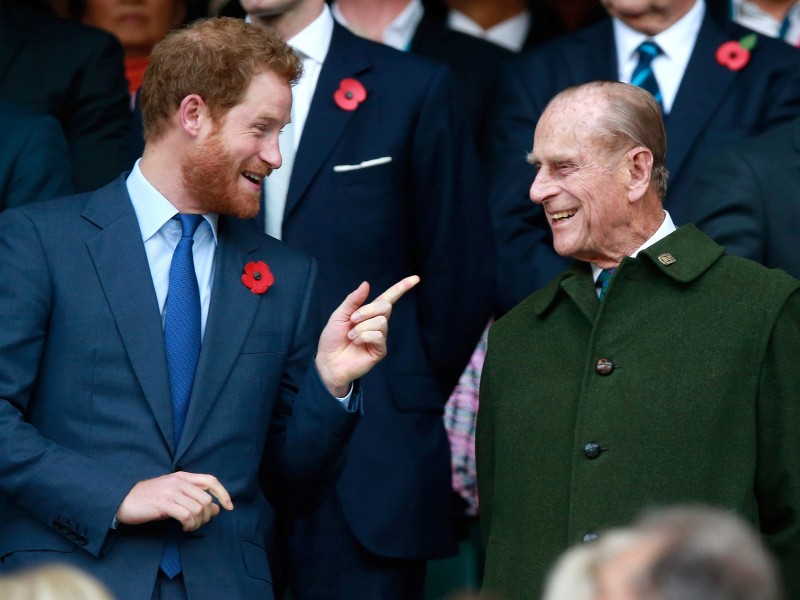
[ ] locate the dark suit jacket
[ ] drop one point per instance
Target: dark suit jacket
(476, 71)
(423, 212)
(34, 158)
(74, 73)
(85, 409)
(714, 107)
(700, 406)
(748, 198)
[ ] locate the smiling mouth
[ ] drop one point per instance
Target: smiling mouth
(255, 178)
(563, 215)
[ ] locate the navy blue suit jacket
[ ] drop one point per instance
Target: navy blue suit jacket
(422, 212)
(714, 107)
(748, 198)
(85, 405)
(34, 158)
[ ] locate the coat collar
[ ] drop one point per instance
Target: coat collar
(682, 256)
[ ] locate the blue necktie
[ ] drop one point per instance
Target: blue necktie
(603, 280)
(182, 342)
(643, 75)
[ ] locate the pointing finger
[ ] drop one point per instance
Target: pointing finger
(394, 293)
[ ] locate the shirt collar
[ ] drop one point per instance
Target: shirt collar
(399, 32)
(509, 33)
(667, 227)
(677, 41)
(152, 209)
(314, 41)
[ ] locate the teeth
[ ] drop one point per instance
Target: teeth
(564, 214)
(254, 177)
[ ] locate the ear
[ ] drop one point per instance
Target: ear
(640, 166)
(193, 115)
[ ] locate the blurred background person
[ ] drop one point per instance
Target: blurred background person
(747, 198)
(53, 582)
(775, 18)
(54, 66)
(31, 141)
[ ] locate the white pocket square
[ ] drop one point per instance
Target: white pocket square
(363, 165)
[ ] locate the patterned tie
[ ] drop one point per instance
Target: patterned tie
(603, 280)
(182, 342)
(643, 75)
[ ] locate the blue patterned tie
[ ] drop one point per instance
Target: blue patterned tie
(603, 280)
(182, 342)
(643, 75)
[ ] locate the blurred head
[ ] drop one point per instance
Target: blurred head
(52, 583)
(289, 17)
(216, 96)
(599, 152)
(648, 16)
(137, 24)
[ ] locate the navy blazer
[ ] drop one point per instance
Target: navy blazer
(85, 408)
(423, 211)
(714, 107)
(34, 158)
(748, 198)
(75, 73)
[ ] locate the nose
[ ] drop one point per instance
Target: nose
(542, 187)
(270, 152)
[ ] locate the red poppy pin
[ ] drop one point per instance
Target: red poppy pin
(735, 55)
(257, 277)
(350, 94)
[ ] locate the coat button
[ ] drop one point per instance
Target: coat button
(589, 537)
(604, 366)
(592, 450)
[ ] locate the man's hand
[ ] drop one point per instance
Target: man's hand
(185, 497)
(354, 340)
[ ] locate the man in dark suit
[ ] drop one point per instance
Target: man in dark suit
(708, 103)
(656, 370)
(385, 179)
(34, 159)
(129, 447)
(748, 198)
(74, 73)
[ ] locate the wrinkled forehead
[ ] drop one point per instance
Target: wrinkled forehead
(573, 120)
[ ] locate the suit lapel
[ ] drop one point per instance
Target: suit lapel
(704, 86)
(326, 121)
(593, 64)
(231, 312)
(121, 263)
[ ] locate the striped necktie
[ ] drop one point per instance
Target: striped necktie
(603, 280)
(643, 75)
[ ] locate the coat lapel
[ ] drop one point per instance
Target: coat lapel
(326, 121)
(704, 86)
(594, 64)
(121, 263)
(231, 311)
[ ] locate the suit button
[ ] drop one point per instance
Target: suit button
(59, 526)
(592, 450)
(604, 366)
(82, 540)
(73, 535)
(589, 537)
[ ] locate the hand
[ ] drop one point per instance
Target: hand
(354, 340)
(185, 497)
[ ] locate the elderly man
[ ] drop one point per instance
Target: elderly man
(156, 353)
(655, 370)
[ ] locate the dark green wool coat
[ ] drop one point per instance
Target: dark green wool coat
(701, 403)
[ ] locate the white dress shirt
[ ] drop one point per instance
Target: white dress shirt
(677, 43)
(749, 14)
(161, 234)
(667, 227)
(399, 32)
(509, 34)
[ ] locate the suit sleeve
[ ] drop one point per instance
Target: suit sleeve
(526, 260)
(778, 464)
(309, 430)
(728, 205)
(453, 249)
(42, 169)
(99, 127)
(67, 491)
